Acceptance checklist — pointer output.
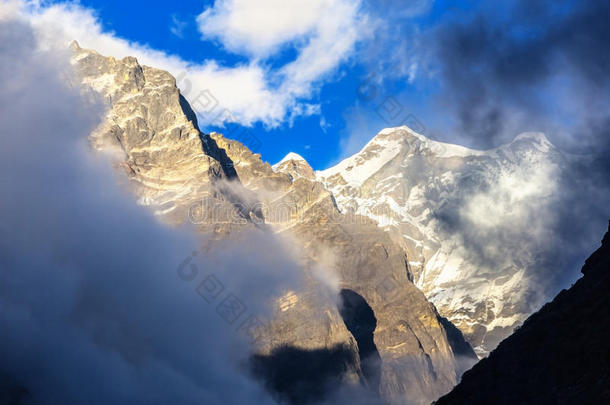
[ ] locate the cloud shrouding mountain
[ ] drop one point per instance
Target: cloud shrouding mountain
(94, 310)
(535, 67)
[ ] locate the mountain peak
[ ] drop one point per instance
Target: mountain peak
(294, 165)
(402, 180)
(534, 136)
(290, 156)
(403, 128)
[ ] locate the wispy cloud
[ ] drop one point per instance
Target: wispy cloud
(177, 26)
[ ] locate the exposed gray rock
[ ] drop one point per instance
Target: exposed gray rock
(400, 350)
(295, 166)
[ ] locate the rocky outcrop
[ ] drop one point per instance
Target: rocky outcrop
(295, 166)
(559, 356)
(151, 127)
(417, 361)
(461, 216)
(363, 312)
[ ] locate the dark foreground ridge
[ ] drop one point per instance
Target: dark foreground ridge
(561, 354)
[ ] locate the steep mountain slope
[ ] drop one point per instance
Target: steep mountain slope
(151, 126)
(559, 356)
(417, 360)
(429, 192)
(392, 341)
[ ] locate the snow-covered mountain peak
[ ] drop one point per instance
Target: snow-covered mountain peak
(294, 165)
(373, 156)
(424, 144)
(536, 139)
(539, 137)
(387, 145)
(412, 185)
(288, 157)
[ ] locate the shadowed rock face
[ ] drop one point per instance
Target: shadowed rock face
(225, 189)
(360, 320)
(560, 355)
(465, 356)
(299, 376)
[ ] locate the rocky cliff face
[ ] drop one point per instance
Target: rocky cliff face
(429, 192)
(559, 356)
(416, 358)
(152, 127)
(373, 327)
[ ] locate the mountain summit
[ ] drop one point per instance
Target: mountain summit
(288, 157)
(294, 165)
(427, 193)
(357, 323)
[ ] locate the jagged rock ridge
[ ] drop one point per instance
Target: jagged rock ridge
(185, 175)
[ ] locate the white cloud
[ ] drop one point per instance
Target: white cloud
(259, 28)
(519, 197)
(248, 92)
(337, 31)
(324, 33)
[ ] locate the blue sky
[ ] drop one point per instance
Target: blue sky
(322, 77)
(348, 113)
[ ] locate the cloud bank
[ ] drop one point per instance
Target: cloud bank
(517, 66)
(95, 308)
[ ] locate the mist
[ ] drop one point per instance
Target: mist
(96, 307)
(509, 67)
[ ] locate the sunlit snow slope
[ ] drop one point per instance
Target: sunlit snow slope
(470, 221)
